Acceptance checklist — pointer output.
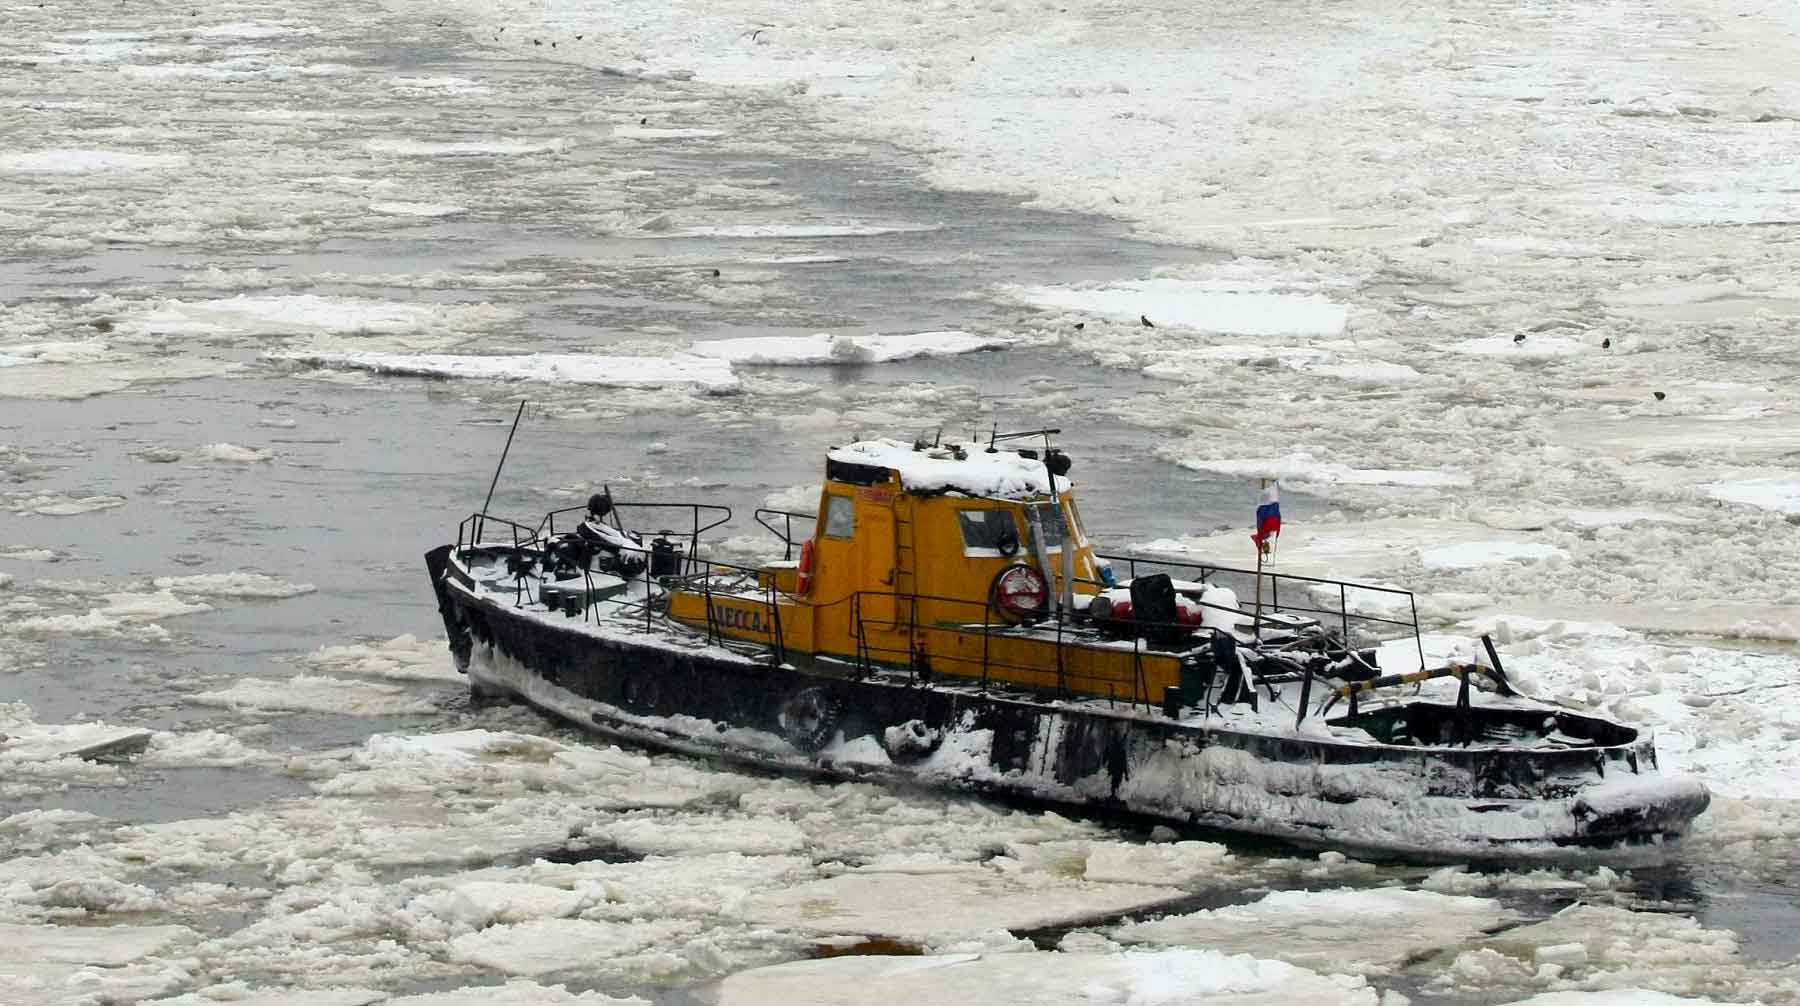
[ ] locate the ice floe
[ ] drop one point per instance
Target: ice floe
(1372, 932)
(1777, 492)
(301, 314)
(74, 162)
(403, 658)
(941, 907)
(1196, 305)
(1131, 978)
(405, 209)
(825, 348)
(319, 693)
(707, 375)
(233, 584)
(234, 453)
(792, 231)
(70, 965)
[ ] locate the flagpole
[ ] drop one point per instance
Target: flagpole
(1261, 551)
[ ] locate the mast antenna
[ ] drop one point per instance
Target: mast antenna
(503, 452)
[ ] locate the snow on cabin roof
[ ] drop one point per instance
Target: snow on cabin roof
(1002, 474)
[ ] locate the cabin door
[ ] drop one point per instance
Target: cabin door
(878, 551)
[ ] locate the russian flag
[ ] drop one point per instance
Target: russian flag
(1268, 515)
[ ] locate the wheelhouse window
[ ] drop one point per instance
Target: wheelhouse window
(989, 532)
(1050, 516)
(840, 517)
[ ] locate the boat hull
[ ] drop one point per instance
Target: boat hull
(1472, 803)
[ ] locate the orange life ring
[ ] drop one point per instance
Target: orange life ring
(803, 579)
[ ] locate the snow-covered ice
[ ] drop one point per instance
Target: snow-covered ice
(825, 348)
(709, 375)
(1368, 932)
(1200, 306)
(941, 907)
(1138, 978)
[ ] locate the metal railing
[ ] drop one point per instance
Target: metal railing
(547, 526)
(905, 652)
(786, 531)
(901, 647)
(1227, 576)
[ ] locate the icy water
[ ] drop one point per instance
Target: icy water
(202, 538)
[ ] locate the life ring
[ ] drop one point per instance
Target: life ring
(803, 578)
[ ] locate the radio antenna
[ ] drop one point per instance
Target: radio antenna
(503, 452)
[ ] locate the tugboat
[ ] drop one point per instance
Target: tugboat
(947, 621)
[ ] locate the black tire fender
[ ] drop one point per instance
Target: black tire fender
(809, 718)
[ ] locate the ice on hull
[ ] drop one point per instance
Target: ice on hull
(1416, 802)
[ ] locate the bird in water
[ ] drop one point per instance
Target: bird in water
(1145, 320)
(1517, 339)
(1080, 325)
(1659, 395)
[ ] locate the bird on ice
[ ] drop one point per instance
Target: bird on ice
(1145, 319)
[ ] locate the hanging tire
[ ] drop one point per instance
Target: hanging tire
(809, 719)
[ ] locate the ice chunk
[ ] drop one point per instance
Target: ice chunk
(797, 230)
(406, 658)
(462, 148)
(687, 836)
(303, 314)
(1780, 493)
(1470, 554)
(1198, 305)
(707, 375)
(318, 693)
(21, 742)
(824, 348)
(553, 946)
(239, 994)
(76, 162)
(236, 584)
(234, 453)
(42, 964)
(517, 992)
(937, 907)
(1367, 931)
(1612, 997)
(1137, 978)
(405, 209)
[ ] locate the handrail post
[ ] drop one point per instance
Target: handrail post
(780, 653)
(1417, 640)
(712, 631)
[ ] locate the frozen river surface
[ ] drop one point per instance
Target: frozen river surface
(1505, 293)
